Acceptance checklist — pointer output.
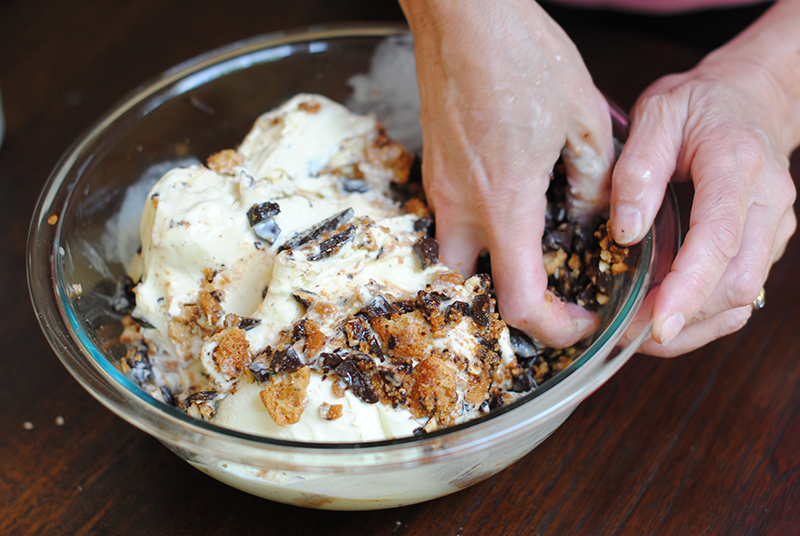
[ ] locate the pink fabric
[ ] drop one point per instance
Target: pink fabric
(658, 6)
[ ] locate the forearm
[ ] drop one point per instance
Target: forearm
(770, 49)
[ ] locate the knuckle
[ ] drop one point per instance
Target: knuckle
(724, 238)
(792, 222)
(747, 151)
(652, 106)
(786, 190)
(744, 289)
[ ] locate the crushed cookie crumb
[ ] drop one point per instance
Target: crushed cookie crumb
(330, 412)
(232, 351)
(226, 161)
(285, 396)
(309, 107)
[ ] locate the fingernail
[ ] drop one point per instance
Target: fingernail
(673, 325)
(628, 223)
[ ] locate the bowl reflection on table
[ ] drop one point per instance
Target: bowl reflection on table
(208, 104)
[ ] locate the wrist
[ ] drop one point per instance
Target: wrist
(764, 61)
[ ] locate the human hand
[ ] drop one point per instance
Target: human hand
(503, 94)
(728, 126)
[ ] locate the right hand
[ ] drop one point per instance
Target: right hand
(504, 93)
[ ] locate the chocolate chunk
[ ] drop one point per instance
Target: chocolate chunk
(217, 295)
(143, 322)
(352, 185)
(348, 371)
(272, 362)
(404, 306)
(285, 360)
(603, 282)
(260, 367)
(139, 364)
(523, 346)
(377, 307)
(424, 225)
(584, 236)
(333, 244)
(375, 347)
(205, 401)
(489, 344)
(587, 298)
(390, 377)
(267, 230)
(200, 396)
(555, 215)
(524, 382)
(123, 300)
(260, 371)
(496, 401)
(426, 250)
(457, 310)
(558, 239)
(167, 395)
(326, 226)
(428, 303)
(262, 212)
(482, 309)
(300, 330)
(484, 283)
(248, 323)
(330, 360)
(305, 298)
(356, 331)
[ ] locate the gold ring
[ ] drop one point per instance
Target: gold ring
(760, 301)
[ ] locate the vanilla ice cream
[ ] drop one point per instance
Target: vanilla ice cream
(290, 289)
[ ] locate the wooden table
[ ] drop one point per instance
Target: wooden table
(707, 443)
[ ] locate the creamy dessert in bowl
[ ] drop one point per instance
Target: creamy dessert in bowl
(323, 307)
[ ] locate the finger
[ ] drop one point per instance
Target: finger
(700, 333)
(743, 278)
(459, 245)
(589, 157)
(723, 170)
(521, 284)
(645, 166)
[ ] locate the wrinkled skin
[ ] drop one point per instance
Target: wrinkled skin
(501, 99)
(720, 125)
(504, 92)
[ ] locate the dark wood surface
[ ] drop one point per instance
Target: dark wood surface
(708, 443)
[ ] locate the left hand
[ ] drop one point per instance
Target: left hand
(724, 125)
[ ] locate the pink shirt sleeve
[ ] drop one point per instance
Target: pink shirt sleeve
(658, 6)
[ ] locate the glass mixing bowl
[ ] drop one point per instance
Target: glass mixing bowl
(85, 231)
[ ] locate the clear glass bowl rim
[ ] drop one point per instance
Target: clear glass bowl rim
(110, 387)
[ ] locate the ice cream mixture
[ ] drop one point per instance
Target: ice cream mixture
(290, 289)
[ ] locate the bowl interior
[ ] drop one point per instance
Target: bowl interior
(199, 108)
